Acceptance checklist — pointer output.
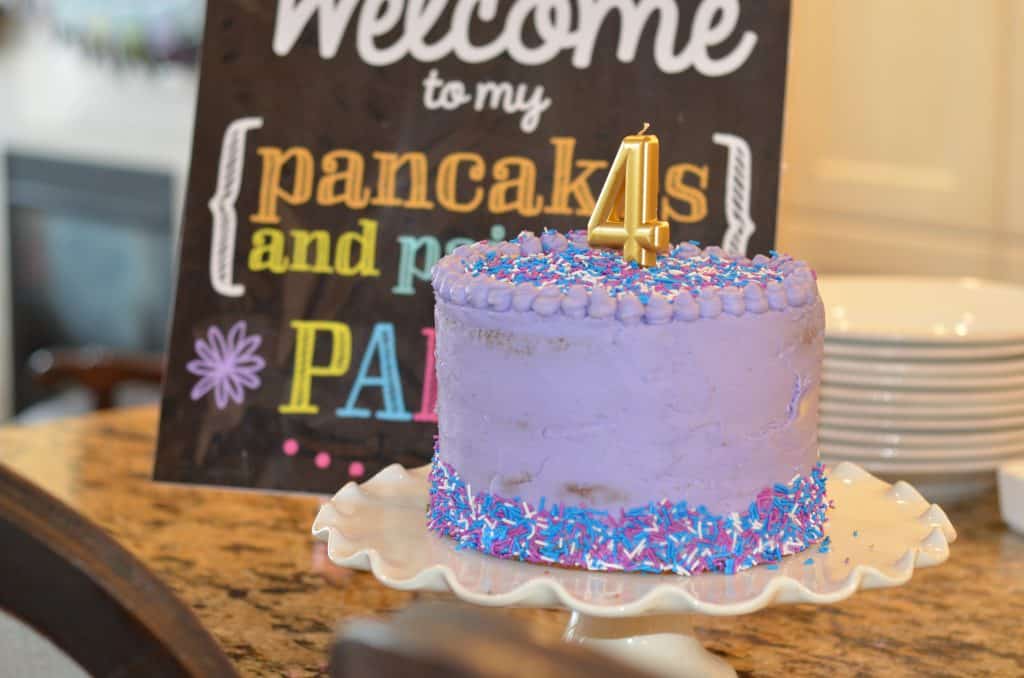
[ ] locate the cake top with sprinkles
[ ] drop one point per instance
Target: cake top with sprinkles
(531, 271)
(567, 261)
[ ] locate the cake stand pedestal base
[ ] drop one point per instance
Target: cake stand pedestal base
(662, 644)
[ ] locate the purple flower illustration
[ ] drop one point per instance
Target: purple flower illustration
(226, 366)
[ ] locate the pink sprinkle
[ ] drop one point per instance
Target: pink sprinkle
(356, 469)
(290, 447)
(322, 460)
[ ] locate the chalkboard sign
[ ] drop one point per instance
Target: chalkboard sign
(342, 146)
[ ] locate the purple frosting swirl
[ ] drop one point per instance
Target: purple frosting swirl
(555, 274)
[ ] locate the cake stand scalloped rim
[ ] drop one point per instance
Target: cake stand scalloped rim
(394, 484)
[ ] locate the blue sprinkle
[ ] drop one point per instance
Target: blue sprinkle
(809, 561)
(856, 533)
(662, 536)
(578, 264)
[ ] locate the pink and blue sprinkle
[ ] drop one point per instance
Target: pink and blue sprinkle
(686, 268)
(661, 536)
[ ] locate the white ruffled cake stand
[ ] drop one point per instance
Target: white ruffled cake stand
(878, 534)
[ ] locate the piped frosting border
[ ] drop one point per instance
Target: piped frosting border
(467, 277)
(660, 537)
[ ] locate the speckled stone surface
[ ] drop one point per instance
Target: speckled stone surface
(246, 564)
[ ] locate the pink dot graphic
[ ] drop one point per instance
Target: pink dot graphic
(290, 447)
(322, 460)
(356, 469)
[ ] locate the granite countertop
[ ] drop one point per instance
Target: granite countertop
(246, 563)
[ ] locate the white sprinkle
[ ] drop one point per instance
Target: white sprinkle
(639, 547)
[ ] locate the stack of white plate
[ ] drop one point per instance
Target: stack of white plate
(924, 379)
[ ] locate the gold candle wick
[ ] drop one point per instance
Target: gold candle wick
(644, 129)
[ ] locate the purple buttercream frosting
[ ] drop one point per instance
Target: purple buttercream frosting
(630, 310)
(553, 242)
(693, 381)
(574, 302)
(602, 305)
(658, 310)
(529, 244)
(685, 307)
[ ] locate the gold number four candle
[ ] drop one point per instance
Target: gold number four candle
(626, 212)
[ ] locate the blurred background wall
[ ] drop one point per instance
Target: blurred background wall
(903, 151)
(96, 106)
(904, 138)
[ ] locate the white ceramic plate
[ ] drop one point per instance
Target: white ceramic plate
(899, 468)
(898, 424)
(838, 348)
(918, 309)
(936, 399)
(969, 440)
(906, 411)
(920, 383)
(949, 488)
(956, 369)
(978, 458)
(379, 526)
(1011, 494)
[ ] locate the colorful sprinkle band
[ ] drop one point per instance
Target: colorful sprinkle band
(565, 262)
(658, 537)
(556, 274)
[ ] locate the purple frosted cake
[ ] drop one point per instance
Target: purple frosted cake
(600, 415)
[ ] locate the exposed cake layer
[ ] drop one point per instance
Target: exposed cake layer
(662, 536)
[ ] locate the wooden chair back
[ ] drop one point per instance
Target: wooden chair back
(64, 576)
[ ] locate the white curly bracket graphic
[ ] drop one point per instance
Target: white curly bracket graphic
(222, 207)
(737, 193)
